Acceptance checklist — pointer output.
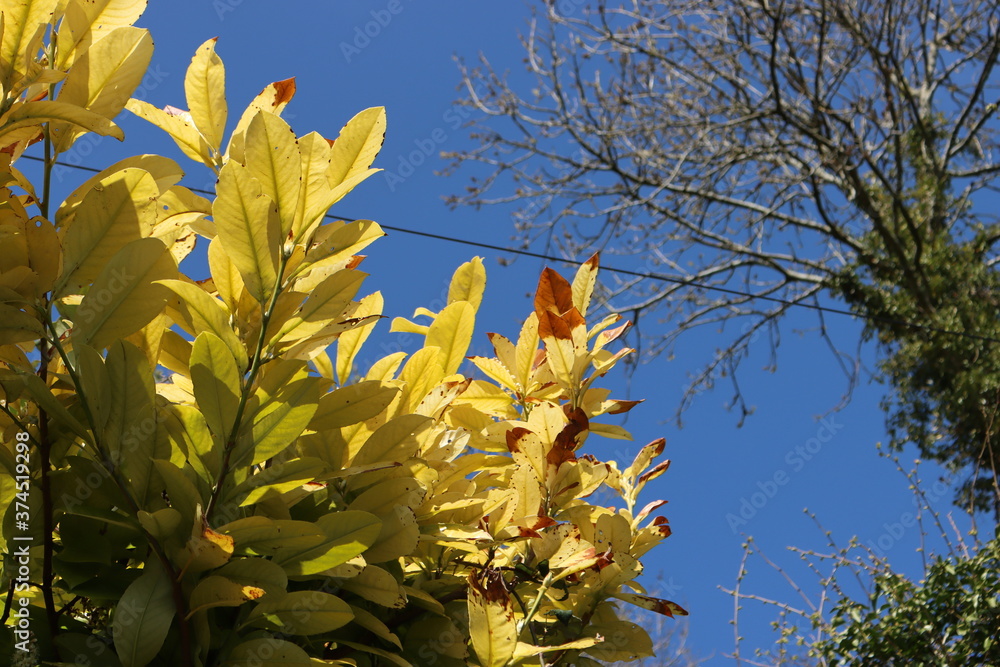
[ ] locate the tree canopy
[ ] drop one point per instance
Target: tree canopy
(796, 150)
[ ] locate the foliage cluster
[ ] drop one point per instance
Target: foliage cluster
(194, 480)
(948, 618)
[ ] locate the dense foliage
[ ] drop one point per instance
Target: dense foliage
(196, 477)
(950, 617)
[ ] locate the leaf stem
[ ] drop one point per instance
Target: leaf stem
(255, 364)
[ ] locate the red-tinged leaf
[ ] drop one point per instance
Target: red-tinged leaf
(648, 509)
(566, 442)
(660, 523)
(284, 90)
(655, 472)
(554, 293)
(665, 607)
(623, 406)
(492, 626)
(645, 456)
(612, 335)
(551, 325)
(513, 436)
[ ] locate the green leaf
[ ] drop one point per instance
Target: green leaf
(278, 479)
(347, 534)
(301, 613)
(268, 652)
(279, 421)
(218, 591)
(142, 618)
(130, 433)
(184, 497)
(268, 536)
(257, 572)
(42, 395)
(216, 383)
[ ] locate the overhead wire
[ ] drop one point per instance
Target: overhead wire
(620, 271)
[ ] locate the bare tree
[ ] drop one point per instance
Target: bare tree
(803, 151)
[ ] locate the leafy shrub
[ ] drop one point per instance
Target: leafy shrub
(195, 480)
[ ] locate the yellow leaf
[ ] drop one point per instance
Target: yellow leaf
(274, 98)
(183, 132)
(396, 440)
(497, 371)
(225, 275)
(126, 294)
(352, 404)
(118, 210)
(357, 145)
(249, 229)
(324, 306)
(314, 152)
(491, 620)
(451, 331)
(216, 383)
(87, 21)
(335, 245)
(207, 314)
(350, 342)
(16, 326)
(271, 155)
(103, 79)
(164, 171)
(468, 283)
(527, 351)
(205, 89)
(488, 399)
(583, 284)
(22, 20)
(36, 113)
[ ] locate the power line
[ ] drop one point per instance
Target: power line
(625, 272)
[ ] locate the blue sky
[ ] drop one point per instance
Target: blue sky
(785, 454)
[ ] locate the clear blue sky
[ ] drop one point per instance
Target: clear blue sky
(408, 68)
